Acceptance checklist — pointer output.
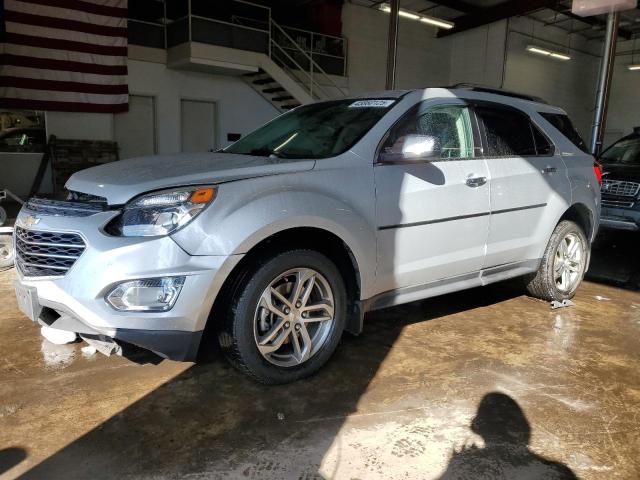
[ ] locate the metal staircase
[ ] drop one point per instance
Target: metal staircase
(283, 80)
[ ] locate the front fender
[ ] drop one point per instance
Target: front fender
(244, 215)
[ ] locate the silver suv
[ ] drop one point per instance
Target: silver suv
(285, 239)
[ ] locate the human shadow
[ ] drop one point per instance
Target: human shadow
(506, 432)
(10, 457)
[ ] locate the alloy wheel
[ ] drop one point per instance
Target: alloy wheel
(568, 262)
(294, 317)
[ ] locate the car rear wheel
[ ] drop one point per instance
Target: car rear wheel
(563, 265)
(286, 317)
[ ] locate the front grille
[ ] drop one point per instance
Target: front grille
(59, 208)
(620, 187)
(45, 254)
(617, 203)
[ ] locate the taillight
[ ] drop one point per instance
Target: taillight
(597, 169)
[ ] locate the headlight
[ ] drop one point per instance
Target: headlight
(161, 213)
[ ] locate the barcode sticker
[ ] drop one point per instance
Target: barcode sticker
(371, 104)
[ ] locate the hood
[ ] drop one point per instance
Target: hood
(120, 181)
(614, 171)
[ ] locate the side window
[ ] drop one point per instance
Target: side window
(563, 123)
(508, 132)
(448, 125)
(544, 148)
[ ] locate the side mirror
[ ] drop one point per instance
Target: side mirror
(413, 148)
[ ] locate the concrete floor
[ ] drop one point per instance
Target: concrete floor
(476, 385)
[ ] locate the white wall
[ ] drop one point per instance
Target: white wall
(624, 103)
(423, 59)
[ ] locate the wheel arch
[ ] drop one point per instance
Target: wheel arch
(580, 214)
(314, 238)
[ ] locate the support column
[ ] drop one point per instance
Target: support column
(392, 48)
(604, 82)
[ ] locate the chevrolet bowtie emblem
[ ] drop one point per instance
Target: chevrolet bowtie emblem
(30, 221)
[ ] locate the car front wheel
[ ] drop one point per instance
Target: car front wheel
(286, 317)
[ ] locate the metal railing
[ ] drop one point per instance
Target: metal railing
(284, 56)
(249, 26)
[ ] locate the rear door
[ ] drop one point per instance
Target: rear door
(529, 184)
(432, 215)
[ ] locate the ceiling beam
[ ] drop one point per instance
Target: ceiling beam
(459, 5)
(593, 21)
(510, 8)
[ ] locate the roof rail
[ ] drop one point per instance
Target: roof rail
(498, 91)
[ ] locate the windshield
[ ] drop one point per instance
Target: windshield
(624, 152)
(319, 130)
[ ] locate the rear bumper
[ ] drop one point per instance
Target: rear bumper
(620, 219)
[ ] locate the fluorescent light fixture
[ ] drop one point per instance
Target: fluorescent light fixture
(547, 53)
(437, 22)
(634, 67)
(405, 14)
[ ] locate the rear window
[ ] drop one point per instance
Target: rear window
(624, 152)
(562, 123)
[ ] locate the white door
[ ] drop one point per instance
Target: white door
(432, 214)
(198, 126)
(135, 130)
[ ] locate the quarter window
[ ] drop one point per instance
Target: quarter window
(450, 124)
(563, 123)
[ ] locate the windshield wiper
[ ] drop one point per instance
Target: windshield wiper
(265, 152)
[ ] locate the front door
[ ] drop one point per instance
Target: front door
(198, 126)
(432, 215)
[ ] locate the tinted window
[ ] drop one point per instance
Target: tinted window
(562, 123)
(508, 132)
(450, 124)
(22, 131)
(318, 130)
(625, 152)
(543, 145)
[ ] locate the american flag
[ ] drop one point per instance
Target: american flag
(65, 55)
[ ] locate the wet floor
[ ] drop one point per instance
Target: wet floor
(481, 384)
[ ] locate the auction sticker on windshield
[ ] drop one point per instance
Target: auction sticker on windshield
(371, 103)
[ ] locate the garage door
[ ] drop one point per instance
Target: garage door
(198, 126)
(135, 130)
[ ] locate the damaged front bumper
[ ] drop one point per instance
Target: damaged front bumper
(75, 301)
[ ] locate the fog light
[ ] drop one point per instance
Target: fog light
(149, 295)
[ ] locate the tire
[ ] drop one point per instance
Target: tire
(250, 320)
(7, 255)
(548, 284)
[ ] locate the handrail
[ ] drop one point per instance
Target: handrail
(303, 71)
(314, 65)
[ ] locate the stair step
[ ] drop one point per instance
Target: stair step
(282, 98)
(290, 106)
(273, 90)
(254, 74)
(263, 81)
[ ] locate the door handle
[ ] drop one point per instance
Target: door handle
(476, 181)
(549, 170)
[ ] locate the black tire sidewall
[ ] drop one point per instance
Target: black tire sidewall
(247, 301)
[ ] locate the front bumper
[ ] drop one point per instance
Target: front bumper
(620, 219)
(75, 301)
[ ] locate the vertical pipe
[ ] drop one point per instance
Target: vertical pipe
(604, 82)
(189, 13)
(392, 47)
